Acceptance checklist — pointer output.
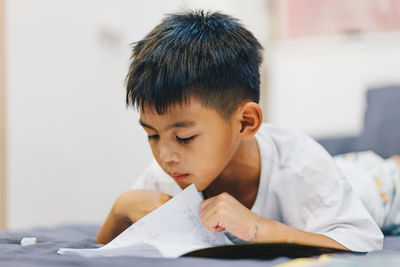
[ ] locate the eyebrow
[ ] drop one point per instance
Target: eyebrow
(179, 124)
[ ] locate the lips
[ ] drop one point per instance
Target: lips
(179, 176)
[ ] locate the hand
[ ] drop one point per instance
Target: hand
(224, 212)
(135, 204)
(131, 206)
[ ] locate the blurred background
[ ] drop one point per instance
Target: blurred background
(69, 146)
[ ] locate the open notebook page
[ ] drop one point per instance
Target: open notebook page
(173, 229)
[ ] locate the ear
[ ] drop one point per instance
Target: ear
(250, 117)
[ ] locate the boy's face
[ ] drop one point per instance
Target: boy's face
(192, 143)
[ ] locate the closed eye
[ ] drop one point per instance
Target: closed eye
(153, 137)
(185, 140)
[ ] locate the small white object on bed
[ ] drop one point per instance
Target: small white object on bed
(26, 241)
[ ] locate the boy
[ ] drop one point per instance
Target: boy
(195, 79)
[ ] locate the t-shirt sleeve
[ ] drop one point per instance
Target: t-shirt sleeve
(314, 196)
(154, 178)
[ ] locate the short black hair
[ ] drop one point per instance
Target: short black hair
(207, 55)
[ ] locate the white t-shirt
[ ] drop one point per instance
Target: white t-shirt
(300, 186)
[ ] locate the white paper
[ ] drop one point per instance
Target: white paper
(174, 229)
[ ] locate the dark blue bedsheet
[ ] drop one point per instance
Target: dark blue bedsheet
(12, 254)
(44, 253)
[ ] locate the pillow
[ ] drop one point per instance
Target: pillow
(382, 122)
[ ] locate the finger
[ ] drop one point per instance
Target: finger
(206, 214)
(223, 197)
(209, 209)
(213, 218)
(213, 222)
(217, 224)
(207, 202)
(219, 229)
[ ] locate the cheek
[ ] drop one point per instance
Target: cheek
(213, 157)
(154, 150)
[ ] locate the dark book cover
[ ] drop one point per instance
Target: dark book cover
(264, 251)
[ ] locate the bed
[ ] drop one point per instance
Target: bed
(381, 134)
(49, 240)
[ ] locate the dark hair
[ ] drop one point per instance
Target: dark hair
(207, 55)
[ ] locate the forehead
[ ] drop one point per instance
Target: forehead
(191, 111)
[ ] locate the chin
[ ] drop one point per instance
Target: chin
(201, 187)
(198, 187)
(183, 185)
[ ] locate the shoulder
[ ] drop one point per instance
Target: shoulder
(294, 149)
(309, 192)
(298, 164)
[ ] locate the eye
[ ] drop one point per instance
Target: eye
(153, 137)
(185, 140)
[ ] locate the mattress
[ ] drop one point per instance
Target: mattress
(49, 240)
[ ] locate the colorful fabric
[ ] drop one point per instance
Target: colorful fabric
(376, 182)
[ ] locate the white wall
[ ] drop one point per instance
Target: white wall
(72, 147)
(318, 85)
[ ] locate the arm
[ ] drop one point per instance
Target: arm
(273, 231)
(131, 206)
(224, 212)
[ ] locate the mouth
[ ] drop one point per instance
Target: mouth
(179, 176)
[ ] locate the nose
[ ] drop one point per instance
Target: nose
(168, 154)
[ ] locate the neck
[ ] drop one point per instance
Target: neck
(241, 176)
